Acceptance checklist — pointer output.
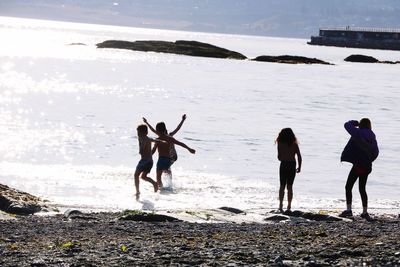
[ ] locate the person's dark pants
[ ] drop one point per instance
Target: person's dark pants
(362, 174)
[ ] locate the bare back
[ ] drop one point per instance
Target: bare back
(164, 148)
(287, 152)
(145, 147)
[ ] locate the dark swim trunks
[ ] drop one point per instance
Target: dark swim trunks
(287, 172)
(163, 163)
(144, 165)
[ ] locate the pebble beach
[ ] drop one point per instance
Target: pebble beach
(103, 239)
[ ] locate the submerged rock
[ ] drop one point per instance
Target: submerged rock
(188, 48)
(18, 202)
(291, 60)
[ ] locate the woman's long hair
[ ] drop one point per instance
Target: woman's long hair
(286, 136)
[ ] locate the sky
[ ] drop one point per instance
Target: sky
(282, 18)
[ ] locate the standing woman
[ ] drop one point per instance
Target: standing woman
(287, 149)
(361, 150)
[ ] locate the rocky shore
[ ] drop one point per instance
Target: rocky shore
(20, 203)
(218, 237)
(105, 239)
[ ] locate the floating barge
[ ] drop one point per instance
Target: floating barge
(373, 38)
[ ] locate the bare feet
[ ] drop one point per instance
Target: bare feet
(160, 185)
(137, 195)
(155, 187)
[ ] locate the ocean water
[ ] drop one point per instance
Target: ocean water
(68, 118)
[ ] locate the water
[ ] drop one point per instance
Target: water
(69, 113)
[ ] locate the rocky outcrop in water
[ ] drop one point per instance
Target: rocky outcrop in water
(188, 48)
(18, 202)
(361, 59)
(367, 59)
(291, 60)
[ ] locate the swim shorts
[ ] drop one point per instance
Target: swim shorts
(144, 165)
(163, 164)
(287, 172)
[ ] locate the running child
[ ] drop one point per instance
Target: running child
(146, 162)
(164, 149)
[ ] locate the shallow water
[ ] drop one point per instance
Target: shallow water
(68, 117)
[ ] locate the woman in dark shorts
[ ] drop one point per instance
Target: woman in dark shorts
(288, 148)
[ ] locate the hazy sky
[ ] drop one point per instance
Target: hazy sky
(292, 18)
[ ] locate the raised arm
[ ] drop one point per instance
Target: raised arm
(179, 126)
(351, 127)
(173, 140)
(150, 127)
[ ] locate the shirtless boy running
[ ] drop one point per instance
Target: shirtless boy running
(164, 149)
(146, 162)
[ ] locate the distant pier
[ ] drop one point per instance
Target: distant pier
(372, 38)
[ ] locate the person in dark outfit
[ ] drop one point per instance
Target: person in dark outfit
(288, 149)
(361, 150)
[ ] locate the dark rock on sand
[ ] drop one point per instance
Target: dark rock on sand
(291, 60)
(146, 217)
(315, 216)
(18, 202)
(287, 215)
(361, 59)
(277, 218)
(71, 213)
(233, 210)
(188, 48)
(77, 215)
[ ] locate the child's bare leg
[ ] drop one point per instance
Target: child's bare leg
(148, 179)
(159, 182)
(281, 196)
(290, 196)
(137, 173)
